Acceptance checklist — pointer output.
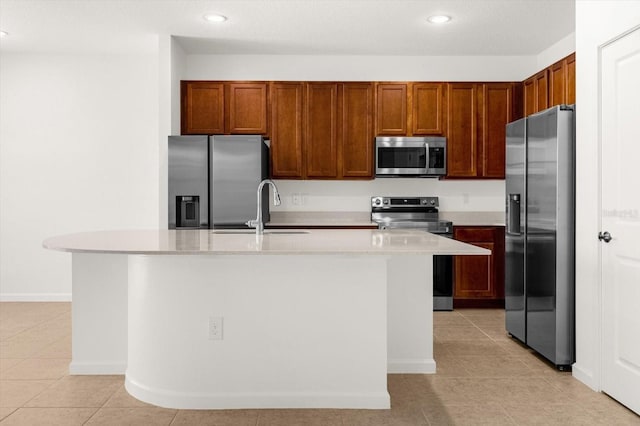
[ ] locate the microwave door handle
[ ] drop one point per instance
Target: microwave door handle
(426, 151)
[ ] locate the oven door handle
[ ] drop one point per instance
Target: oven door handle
(426, 151)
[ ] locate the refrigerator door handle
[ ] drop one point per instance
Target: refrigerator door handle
(513, 214)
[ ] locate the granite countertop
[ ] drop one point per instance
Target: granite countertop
(302, 242)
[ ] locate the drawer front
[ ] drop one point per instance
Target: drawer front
(474, 234)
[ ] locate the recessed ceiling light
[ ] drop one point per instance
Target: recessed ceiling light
(214, 17)
(3, 34)
(439, 19)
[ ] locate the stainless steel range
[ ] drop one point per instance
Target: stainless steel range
(420, 213)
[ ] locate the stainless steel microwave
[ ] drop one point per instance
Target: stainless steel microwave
(411, 156)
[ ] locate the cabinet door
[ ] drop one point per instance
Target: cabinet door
(496, 112)
(202, 107)
(462, 130)
(391, 109)
(570, 97)
(542, 91)
(286, 130)
(320, 138)
(529, 95)
(356, 130)
(247, 109)
(557, 83)
(480, 277)
(474, 275)
(429, 100)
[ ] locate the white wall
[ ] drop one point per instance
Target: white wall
(78, 152)
(597, 22)
(468, 195)
(360, 68)
(554, 53)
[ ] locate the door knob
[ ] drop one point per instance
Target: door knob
(604, 236)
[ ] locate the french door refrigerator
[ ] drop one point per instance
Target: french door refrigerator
(539, 237)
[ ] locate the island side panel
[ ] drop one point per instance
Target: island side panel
(410, 320)
(298, 331)
(99, 313)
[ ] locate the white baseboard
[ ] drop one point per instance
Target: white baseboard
(35, 297)
(239, 400)
(585, 377)
(95, 368)
(411, 366)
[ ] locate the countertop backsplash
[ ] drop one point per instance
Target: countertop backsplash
(354, 196)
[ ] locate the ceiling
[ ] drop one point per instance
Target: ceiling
(288, 27)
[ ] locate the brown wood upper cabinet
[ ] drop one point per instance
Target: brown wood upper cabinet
(286, 130)
(429, 102)
(355, 113)
(324, 131)
(476, 119)
(321, 130)
(391, 109)
(562, 81)
(247, 110)
(536, 93)
(406, 109)
(202, 107)
(555, 85)
(223, 107)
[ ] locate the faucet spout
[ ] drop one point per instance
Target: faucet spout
(258, 222)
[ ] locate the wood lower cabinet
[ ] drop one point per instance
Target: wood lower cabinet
(286, 130)
(216, 108)
(391, 109)
(479, 280)
(202, 107)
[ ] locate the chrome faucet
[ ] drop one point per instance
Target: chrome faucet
(257, 223)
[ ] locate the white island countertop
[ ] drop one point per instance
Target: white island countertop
(289, 242)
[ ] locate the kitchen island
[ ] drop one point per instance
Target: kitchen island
(224, 319)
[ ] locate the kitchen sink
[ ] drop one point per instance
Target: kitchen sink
(252, 231)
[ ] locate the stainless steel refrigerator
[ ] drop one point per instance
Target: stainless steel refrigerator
(539, 237)
(213, 180)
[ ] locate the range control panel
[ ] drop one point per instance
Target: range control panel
(408, 202)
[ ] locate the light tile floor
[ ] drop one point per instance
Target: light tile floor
(484, 378)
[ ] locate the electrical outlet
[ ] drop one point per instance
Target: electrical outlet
(215, 328)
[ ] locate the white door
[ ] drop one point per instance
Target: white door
(620, 197)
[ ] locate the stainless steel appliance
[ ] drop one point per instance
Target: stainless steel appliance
(411, 156)
(539, 237)
(420, 213)
(213, 180)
